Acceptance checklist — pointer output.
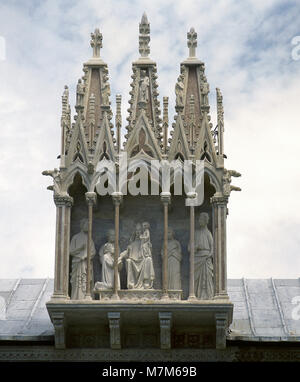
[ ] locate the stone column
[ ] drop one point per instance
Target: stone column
(114, 329)
(192, 196)
(91, 198)
(165, 321)
(117, 198)
(62, 242)
(220, 252)
(165, 198)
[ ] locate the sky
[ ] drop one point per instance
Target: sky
(248, 53)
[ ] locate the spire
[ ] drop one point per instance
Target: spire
(192, 43)
(96, 42)
(144, 37)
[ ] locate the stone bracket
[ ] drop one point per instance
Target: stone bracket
(221, 328)
(59, 323)
(165, 322)
(114, 319)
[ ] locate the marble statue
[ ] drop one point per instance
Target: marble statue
(204, 271)
(174, 261)
(179, 89)
(204, 91)
(79, 93)
(106, 254)
(78, 252)
(144, 85)
(138, 255)
(105, 91)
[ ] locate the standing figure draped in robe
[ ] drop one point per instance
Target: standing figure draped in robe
(204, 270)
(174, 261)
(78, 252)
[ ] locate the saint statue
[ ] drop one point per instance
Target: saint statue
(79, 93)
(179, 89)
(78, 252)
(204, 270)
(105, 91)
(139, 265)
(106, 254)
(144, 85)
(174, 261)
(204, 91)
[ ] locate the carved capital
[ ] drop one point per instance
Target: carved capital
(165, 321)
(58, 320)
(91, 197)
(63, 200)
(221, 327)
(219, 200)
(165, 197)
(114, 327)
(117, 198)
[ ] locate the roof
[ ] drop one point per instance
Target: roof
(263, 309)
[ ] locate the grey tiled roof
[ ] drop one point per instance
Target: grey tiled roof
(262, 309)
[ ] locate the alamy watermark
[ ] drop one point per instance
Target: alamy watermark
(296, 50)
(153, 177)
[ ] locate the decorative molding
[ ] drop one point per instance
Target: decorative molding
(137, 294)
(165, 322)
(61, 200)
(91, 197)
(114, 327)
(221, 327)
(59, 322)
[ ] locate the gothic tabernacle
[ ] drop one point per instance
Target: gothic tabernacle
(138, 268)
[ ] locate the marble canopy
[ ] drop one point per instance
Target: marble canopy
(116, 255)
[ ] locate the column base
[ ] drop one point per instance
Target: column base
(60, 297)
(221, 297)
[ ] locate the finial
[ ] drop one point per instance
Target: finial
(192, 42)
(165, 123)
(118, 121)
(192, 122)
(144, 37)
(96, 42)
(65, 100)
(220, 126)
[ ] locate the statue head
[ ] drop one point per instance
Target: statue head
(84, 225)
(203, 219)
(138, 230)
(111, 235)
(170, 233)
(146, 225)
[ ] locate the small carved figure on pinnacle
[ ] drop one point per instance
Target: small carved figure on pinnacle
(79, 93)
(192, 42)
(179, 89)
(204, 87)
(96, 42)
(144, 85)
(105, 92)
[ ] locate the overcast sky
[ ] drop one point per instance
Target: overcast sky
(247, 50)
